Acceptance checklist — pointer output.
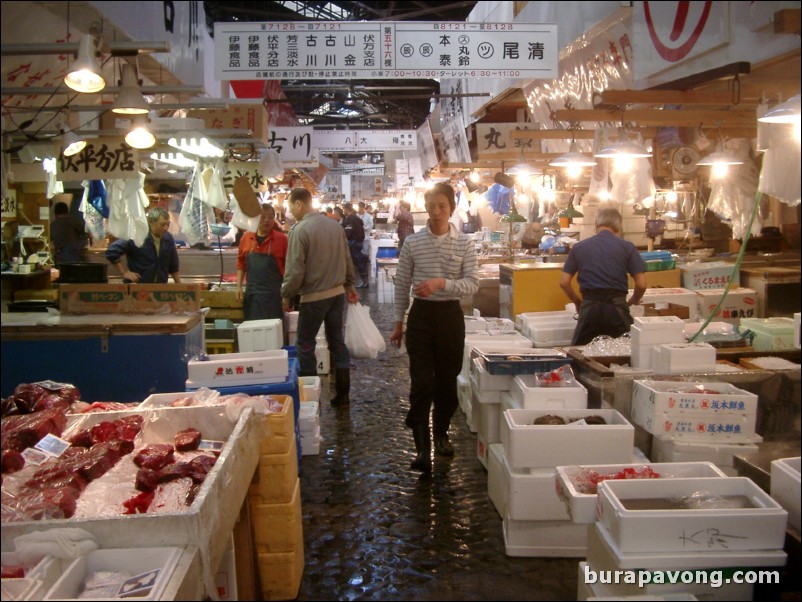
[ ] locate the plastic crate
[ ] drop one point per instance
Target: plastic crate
(220, 346)
(658, 265)
(511, 364)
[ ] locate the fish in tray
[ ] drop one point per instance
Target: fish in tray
(523, 362)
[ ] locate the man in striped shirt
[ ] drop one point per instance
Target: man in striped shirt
(439, 266)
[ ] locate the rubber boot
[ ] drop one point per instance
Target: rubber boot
(442, 446)
(423, 447)
(342, 384)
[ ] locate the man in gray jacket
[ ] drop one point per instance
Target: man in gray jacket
(319, 269)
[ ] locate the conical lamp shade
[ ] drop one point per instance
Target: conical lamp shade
(140, 135)
(573, 159)
(85, 75)
(129, 99)
(622, 148)
(72, 144)
(786, 112)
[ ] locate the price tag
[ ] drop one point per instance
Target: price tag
(34, 456)
(52, 445)
(139, 585)
(211, 445)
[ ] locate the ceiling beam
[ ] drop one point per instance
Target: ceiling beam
(115, 48)
(665, 97)
(64, 90)
(658, 117)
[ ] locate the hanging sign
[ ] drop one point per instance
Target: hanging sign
(300, 143)
(384, 49)
(494, 138)
(455, 143)
(101, 159)
(291, 143)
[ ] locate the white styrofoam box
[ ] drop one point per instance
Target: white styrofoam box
(508, 402)
(551, 336)
(605, 554)
(160, 562)
(291, 321)
(700, 276)
(528, 445)
(698, 426)
(694, 397)
(568, 395)
(482, 449)
(229, 369)
(678, 296)
(309, 417)
(785, 487)
(678, 358)
(500, 326)
(260, 335)
(641, 356)
(226, 577)
(670, 449)
(484, 396)
(523, 320)
(322, 358)
(310, 386)
(638, 457)
(464, 393)
(489, 382)
(496, 490)
(475, 325)
(488, 424)
(292, 338)
(38, 578)
(739, 303)
(494, 342)
(653, 336)
(708, 527)
(530, 493)
(582, 506)
(545, 538)
(657, 324)
(310, 446)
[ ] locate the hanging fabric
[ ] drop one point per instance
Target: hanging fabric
(97, 197)
(94, 221)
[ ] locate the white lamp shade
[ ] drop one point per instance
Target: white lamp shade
(573, 159)
(72, 144)
(140, 136)
(785, 112)
(85, 75)
(129, 99)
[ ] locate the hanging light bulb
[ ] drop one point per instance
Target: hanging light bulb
(140, 135)
(130, 100)
(623, 148)
(349, 99)
(85, 75)
(71, 143)
(785, 112)
(719, 161)
(573, 161)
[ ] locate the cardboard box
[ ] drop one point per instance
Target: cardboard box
(164, 298)
(93, 298)
(739, 303)
(709, 275)
(677, 296)
(528, 445)
(701, 527)
(582, 506)
(669, 309)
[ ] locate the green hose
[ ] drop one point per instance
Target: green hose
(735, 270)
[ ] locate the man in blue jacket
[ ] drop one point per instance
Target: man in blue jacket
(154, 260)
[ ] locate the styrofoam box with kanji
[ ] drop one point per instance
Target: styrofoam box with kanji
(309, 388)
(544, 538)
(708, 275)
(678, 296)
(155, 565)
(734, 428)
(582, 506)
(785, 487)
(533, 395)
(528, 445)
(527, 493)
(720, 453)
(658, 396)
(683, 358)
(475, 324)
(739, 303)
(604, 553)
(485, 381)
(482, 449)
(260, 335)
(227, 369)
(497, 326)
(707, 526)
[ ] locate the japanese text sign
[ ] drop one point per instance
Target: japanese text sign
(384, 49)
(102, 159)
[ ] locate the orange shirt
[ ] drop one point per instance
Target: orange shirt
(275, 244)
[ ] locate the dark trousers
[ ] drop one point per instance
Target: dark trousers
(310, 316)
(435, 340)
(608, 317)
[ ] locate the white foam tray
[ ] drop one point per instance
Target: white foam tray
(555, 539)
(785, 487)
(571, 396)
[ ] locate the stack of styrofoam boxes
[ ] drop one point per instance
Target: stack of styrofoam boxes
(309, 415)
(322, 360)
(486, 392)
(739, 303)
(489, 341)
(785, 488)
(38, 577)
(587, 223)
(709, 425)
(275, 505)
(771, 334)
(260, 335)
(633, 227)
(547, 328)
(646, 332)
(538, 450)
(235, 369)
(385, 287)
(677, 296)
(640, 527)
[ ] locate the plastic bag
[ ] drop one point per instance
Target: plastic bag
(362, 337)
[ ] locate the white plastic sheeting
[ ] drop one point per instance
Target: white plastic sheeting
(780, 176)
(127, 203)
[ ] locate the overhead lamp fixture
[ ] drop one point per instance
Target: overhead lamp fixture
(522, 168)
(130, 100)
(177, 159)
(573, 161)
(623, 148)
(85, 75)
(71, 143)
(196, 144)
(140, 135)
(719, 161)
(785, 112)
(349, 99)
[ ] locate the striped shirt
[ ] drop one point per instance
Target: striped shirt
(426, 256)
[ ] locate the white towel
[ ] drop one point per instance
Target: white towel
(60, 543)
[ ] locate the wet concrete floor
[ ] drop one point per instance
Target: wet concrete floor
(376, 530)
